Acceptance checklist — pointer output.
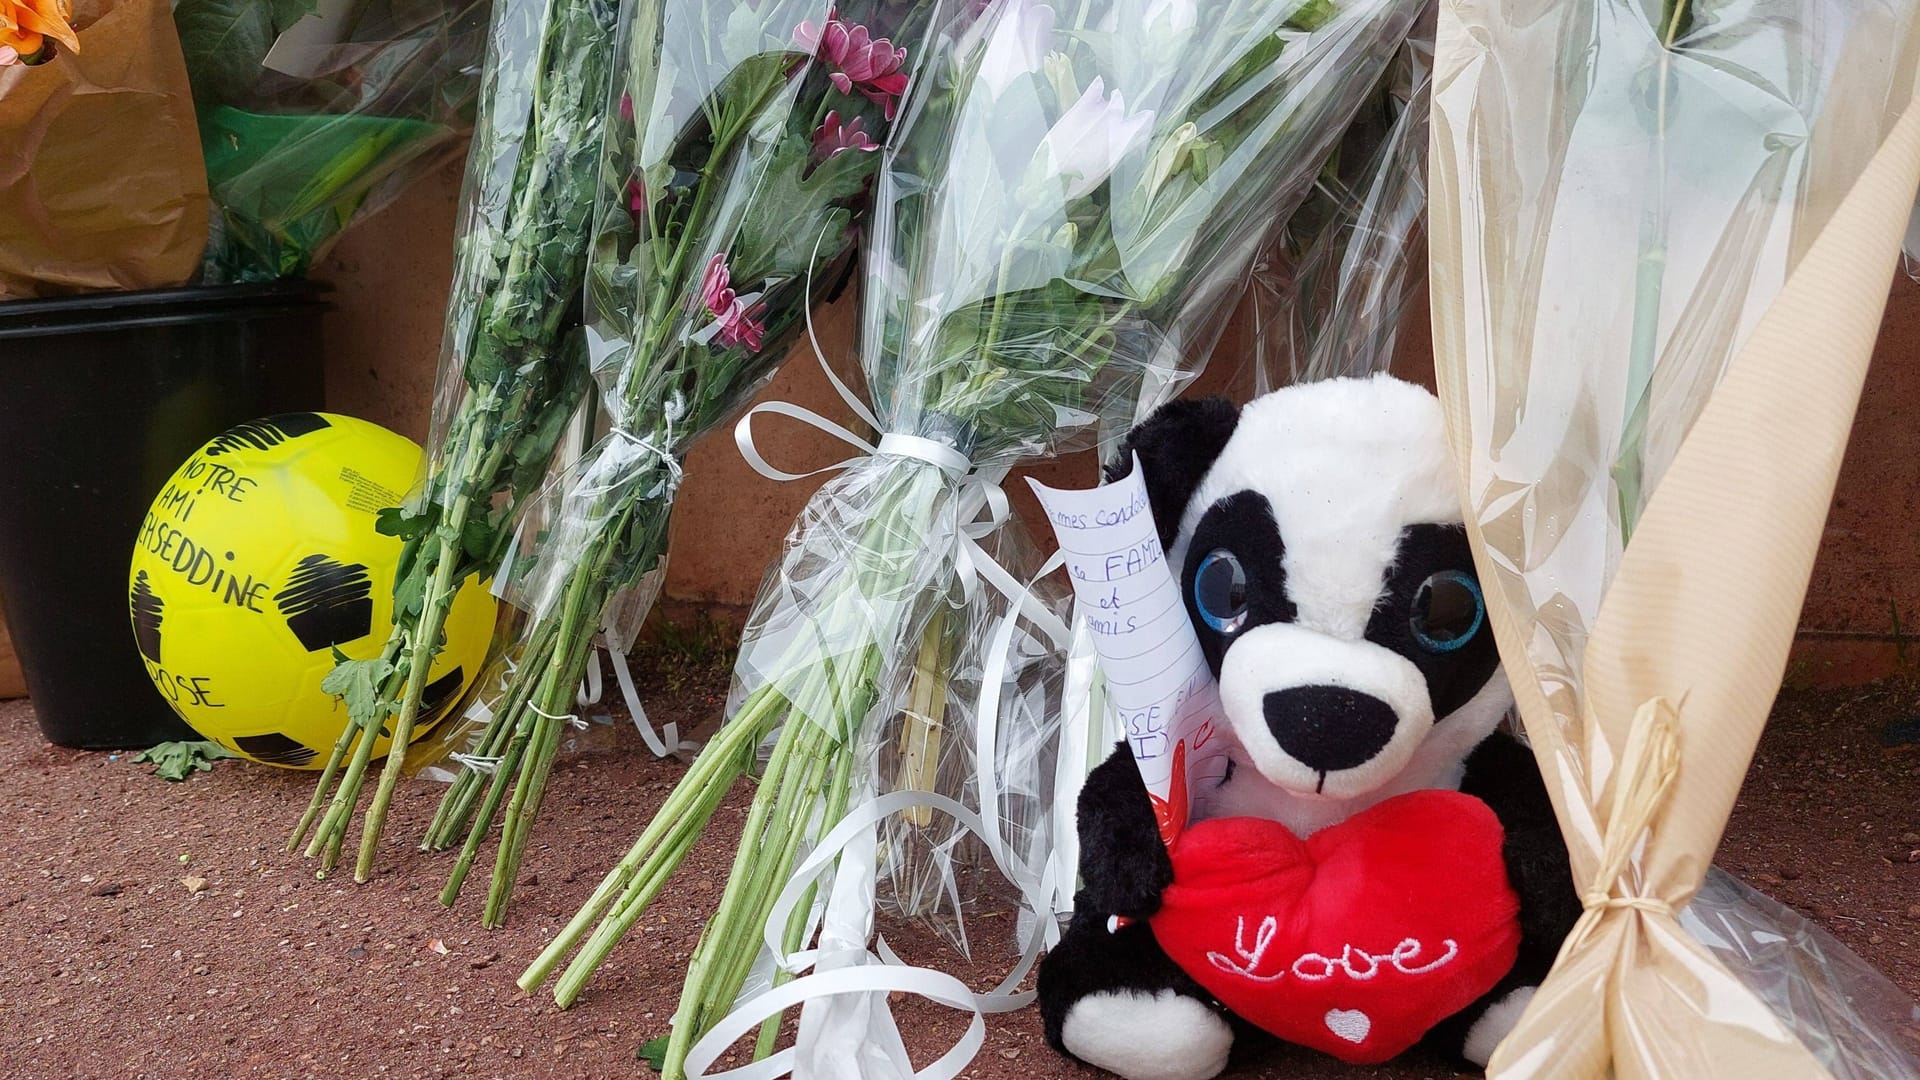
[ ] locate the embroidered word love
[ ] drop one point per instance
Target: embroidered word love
(1257, 915)
(1358, 964)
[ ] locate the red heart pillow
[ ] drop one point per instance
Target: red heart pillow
(1357, 940)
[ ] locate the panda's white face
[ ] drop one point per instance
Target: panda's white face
(1326, 570)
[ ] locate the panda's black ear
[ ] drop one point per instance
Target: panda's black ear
(1176, 447)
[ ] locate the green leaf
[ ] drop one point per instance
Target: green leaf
(410, 594)
(396, 521)
(793, 211)
(358, 682)
(176, 761)
(1313, 15)
(566, 381)
(654, 1053)
(477, 539)
(225, 41)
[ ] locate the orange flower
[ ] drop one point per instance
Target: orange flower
(26, 24)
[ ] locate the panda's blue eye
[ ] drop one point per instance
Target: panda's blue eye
(1447, 611)
(1220, 591)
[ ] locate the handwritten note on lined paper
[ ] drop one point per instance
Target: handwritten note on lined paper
(1159, 689)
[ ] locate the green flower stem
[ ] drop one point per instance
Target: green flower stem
(905, 503)
(485, 452)
(455, 812)
(736, 743)
(718, 960)
(420, 656)
(537, 697)
(341, 747)
(639, 876)
(496, 791)
(1650, 270)
(839, 792)
(562, 674)
(410, 651)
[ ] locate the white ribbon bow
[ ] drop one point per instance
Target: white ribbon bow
(983, 503)
(983, 508)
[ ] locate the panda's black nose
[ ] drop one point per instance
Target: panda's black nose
(1329, 727)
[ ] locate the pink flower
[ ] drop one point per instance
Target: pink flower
(714, 286)
(865, 63)
(834, 137)
(738, 325)
(9, 56)
(626, 108)
(636, 199)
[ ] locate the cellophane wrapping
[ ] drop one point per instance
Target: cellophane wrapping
(1349, 261)
(1635, 183)
(312, 120)
(726, 207)
(1063, 221)
(739, 145)
(1324, 298)
(512, 373)
(932, 868)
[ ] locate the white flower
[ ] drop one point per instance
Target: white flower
(1090, 138)
(1022, 36)
(1179, 15)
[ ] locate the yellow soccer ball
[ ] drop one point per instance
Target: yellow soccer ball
(258, 559)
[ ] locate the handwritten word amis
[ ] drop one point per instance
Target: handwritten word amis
(198, 567)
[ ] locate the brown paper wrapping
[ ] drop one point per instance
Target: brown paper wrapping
(102, 184)
(1644, 745)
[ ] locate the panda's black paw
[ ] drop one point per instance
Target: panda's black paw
(1113, 999)
(1123, 863)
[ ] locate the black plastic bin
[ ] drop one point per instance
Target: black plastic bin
(102, 396)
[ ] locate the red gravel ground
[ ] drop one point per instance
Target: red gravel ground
(110, 966)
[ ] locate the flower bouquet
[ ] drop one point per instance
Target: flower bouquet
(507, 386)
(1325, 297)
(1061, 213)
(742, 148)
(1659, 265)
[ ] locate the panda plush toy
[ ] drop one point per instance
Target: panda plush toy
(1376, 865)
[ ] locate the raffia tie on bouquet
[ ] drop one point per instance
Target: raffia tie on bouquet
(1702, 612)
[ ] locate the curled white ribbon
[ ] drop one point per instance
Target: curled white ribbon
(983, 508)
(664, 742)
(887, 972)
(591, 683)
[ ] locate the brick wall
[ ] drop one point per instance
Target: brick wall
(390, 280)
